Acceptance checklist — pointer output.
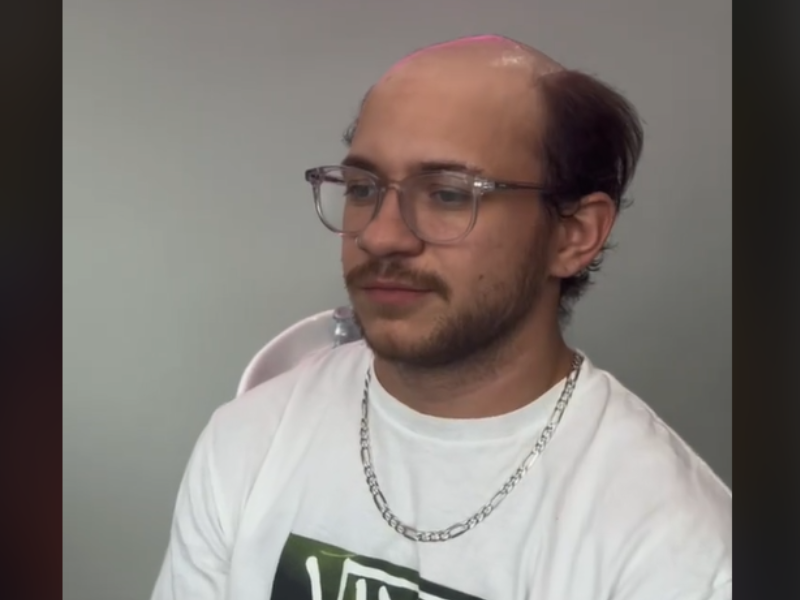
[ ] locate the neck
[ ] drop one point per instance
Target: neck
(504, 380)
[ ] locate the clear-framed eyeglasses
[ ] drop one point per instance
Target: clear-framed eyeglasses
(439, 207)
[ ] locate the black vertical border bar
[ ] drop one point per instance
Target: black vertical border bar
(766, 295)
(30, 299)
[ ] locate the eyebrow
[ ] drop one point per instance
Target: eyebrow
(427, 166)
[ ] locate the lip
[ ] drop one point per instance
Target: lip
(392, 286)
(397, 294)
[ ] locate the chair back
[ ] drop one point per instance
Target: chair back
(305, 338)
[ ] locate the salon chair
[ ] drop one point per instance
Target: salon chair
(316, 333)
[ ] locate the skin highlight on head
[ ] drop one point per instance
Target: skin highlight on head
(486, 338)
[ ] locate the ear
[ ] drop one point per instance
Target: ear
(582, 233)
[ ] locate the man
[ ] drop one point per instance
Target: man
(464, 451)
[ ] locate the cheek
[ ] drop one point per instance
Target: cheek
(489, 282)
(493, 264)
(476, 273)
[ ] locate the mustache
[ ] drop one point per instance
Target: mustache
(395, 271)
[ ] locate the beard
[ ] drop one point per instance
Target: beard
(471, 334)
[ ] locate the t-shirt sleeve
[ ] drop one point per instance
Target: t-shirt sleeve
(683, 556)
(197, 558)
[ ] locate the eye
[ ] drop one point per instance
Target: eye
(359, 191)
(450, 197)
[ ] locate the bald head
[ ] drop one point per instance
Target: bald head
(485, 53)
(460, 95)
(496, 72)
(499, 71)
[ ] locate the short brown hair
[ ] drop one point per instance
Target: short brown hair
(592, 142)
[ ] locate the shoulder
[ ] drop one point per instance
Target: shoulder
(289, 407)
(654, 459)
(308, 387)
(666, 510)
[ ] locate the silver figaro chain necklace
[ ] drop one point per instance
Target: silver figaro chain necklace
(460, 528)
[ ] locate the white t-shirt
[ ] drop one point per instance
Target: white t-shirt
(274, 504)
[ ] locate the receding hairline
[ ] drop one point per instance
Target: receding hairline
(495, 50)
(534, 83)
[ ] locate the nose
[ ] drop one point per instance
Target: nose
(388, 234)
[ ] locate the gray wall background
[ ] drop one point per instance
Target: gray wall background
(190, 237)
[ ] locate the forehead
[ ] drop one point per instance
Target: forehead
(487, 122)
